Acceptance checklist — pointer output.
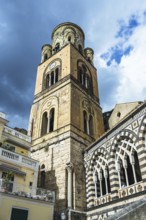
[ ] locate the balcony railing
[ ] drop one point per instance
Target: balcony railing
(102, 200)
(132, 189)
(25, 191)
(18, 159)
(17, 134)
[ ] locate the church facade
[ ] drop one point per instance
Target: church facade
(116, 168)
(93, 172)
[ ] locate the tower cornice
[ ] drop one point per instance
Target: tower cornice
(67, 24)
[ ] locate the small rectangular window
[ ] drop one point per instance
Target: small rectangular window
(18, 214)
(30, 184)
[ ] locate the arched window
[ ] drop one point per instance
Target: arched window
(118, 114)
(122, 174)
(42, 176)
(108, 181)
(42, 167)
(127, 163)
(80, 75)
(52, 78)
(84, 77)
(44, 124)
(85, 121)
(137, 167)
(57, 47)
(91, 129)
(56, 75)
(51, 119)
(130, 172)
(69, 38)
(45, 57)
(80, 48)
(101, 181)
(47, 81)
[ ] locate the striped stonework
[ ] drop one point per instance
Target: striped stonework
(116, 164)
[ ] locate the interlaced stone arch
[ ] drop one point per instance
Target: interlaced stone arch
(142, 130)
(126, 158)
(100, 172)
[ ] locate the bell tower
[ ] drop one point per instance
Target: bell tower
(65, 116)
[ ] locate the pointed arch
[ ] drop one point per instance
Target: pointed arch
(84, 76)
(44, 124)
(51, 119)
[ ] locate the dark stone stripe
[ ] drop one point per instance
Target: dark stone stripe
(114, 179)
(142, 138)
(114, 185)
(142, 159)
(144, 180)
(114, 191)
(91, 184)
(111, 163)
(90, 199)
(143, 172)
(89, 175)
(112, 168)
(140, 146)
(142, 166)
(113, 173)
(141, 152)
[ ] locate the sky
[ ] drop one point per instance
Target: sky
(115, 29)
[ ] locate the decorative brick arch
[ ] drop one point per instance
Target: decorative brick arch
(100, 151)
(127, 134)
(142, 129)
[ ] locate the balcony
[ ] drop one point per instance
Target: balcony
(17, 134)
(27, 192)
(102, 200)
(132, 189)
(17, 159)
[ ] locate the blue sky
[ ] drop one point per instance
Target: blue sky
(116, 30)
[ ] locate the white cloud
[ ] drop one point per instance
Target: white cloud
(132, 69)
(131, 72)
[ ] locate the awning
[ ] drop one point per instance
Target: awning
(12, 169)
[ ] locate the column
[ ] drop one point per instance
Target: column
(134, 174)
(86, 81)
(133, 168)
(95, 183)
(54, 77)
(88, 130)
(69, 168)
(106, 184)
(100, 181)
(48, 126)
(119, 176)
(50, 79)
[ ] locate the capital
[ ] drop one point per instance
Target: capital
(69, 167)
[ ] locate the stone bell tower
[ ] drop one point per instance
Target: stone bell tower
(66, 116)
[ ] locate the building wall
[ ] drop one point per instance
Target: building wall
(36, 209)
(111, 152)
(120, 111)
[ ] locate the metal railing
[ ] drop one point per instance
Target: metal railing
(25, 191)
